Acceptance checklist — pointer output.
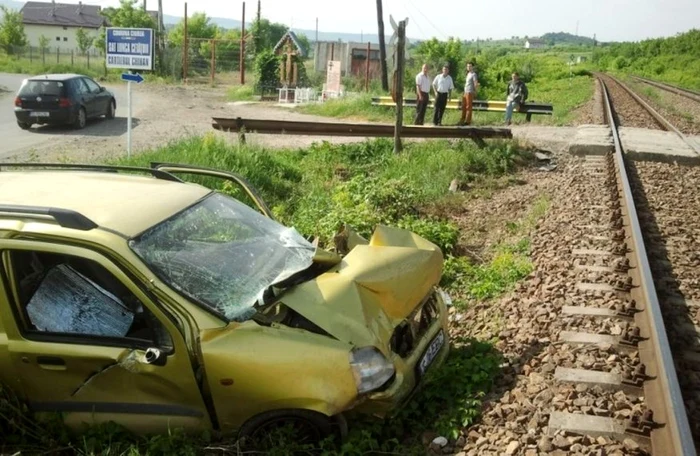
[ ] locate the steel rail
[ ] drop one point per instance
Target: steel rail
(661, 120)
(671, 88)
(265, 126)
(662, 393)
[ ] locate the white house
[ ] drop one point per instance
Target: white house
(59, 22)
(534, 43)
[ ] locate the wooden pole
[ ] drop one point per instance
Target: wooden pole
(184, 50)
(382, 47)
(400, 63)
(332, 51)
(243, 46)
(369, 50)
(213, 61)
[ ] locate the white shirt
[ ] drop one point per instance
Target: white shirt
(443, 83)
(423, 82)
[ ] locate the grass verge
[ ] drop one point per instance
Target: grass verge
(564, 94)
(361, 184)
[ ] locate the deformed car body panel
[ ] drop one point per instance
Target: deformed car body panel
(375, 287)
(311, 372)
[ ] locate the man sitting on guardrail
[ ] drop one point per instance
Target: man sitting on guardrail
(423, 94)
(516, 95)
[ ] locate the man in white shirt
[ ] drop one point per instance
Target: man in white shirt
(423, 94)
(443, 87)
(469, 94)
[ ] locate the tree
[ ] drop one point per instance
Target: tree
(128, 14)
(266, 34)
(44, 42)
(84, 40)
(198, 26)
(11, 30)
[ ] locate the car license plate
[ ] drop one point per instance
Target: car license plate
(38, 114)
(431, 353)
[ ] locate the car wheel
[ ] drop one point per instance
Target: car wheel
(24, 125)
(80, 119)
(303, 427)
(111, 110)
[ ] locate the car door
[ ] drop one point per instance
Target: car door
(83, 96)
(65, 317)
(99, 98)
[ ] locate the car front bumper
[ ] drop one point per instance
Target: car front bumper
(407, 381)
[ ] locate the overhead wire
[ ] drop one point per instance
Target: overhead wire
(428, 20)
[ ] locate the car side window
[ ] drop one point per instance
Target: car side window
(73, 297)
(79, 87)
(93, 87)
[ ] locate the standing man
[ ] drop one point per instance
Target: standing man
(423, 94)
(517, 94)
(469, 95)
(443, 87)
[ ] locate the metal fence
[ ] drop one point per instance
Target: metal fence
(50, 56)
(212, 61)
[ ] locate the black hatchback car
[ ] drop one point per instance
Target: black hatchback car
(61, 99)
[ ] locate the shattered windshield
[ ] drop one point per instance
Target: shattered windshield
(223, 254)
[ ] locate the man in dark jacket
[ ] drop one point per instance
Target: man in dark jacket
(516, 95)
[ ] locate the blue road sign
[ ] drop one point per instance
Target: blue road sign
(128, 77)
(129, 48)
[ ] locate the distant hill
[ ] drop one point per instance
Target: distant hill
(567, 38)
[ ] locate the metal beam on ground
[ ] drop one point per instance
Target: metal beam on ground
(284, 127)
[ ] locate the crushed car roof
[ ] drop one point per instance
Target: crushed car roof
(128, 204)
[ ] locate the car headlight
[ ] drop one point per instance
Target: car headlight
(370, 369)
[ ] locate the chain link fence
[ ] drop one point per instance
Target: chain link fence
(213, 61)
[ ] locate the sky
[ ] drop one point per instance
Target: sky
(609, 20)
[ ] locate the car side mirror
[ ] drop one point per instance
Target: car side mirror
(102, 89)
(155, 357)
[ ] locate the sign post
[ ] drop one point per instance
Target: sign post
(130, 49)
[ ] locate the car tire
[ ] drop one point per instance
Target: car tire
(24, 125)
(111, 110)
(310, 428)
(80, 119)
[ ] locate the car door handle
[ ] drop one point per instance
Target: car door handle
(51, 362)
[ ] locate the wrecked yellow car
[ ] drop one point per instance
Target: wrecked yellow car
(130, 295)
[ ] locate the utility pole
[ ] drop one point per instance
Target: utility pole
(382, 47)
(317, 30)
(243, 46)
(161, 38)
(400, 64)
(184, 50)
(576, 28)
(144, 5)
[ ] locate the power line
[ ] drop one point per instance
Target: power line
(426, 18)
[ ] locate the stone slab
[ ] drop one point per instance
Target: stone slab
(589, 311)
(587, 338)
(593, 426)
(656, 145)
(592, 140)
(589, 377)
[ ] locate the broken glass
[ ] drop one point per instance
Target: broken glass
(224, 254)
(70, 303)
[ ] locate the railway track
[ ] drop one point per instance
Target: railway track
(614, 263)
(691, 94)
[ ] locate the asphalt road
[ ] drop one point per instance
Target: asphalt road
(15, 140)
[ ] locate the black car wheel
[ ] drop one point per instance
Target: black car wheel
(80, 119)
(111, 110)
(24, 125)
(302, 427)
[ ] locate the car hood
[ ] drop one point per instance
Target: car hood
(373, 289)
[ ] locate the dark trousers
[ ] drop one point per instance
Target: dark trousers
(421, 107)
(440, 104)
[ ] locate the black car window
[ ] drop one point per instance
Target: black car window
(41, 87)
(79, 86)
(92, 85)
